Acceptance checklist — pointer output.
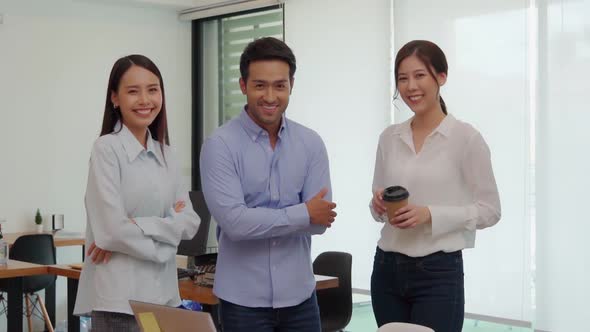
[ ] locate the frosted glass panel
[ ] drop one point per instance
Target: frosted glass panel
(563, 254)
(342, 92)
(486, 47)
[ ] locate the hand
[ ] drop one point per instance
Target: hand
(321, 211)
(179, 206)
(378, 203)
(411, 216)
(98, 255)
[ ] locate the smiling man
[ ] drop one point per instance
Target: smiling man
(266, 181)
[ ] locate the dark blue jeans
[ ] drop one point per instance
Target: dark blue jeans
(304, 317)
(425, 290)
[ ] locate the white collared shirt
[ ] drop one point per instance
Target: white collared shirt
(452, 175)
(127, 181)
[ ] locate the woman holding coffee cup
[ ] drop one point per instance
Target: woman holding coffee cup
(433, 187)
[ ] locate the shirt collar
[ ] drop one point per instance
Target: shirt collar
(253, 129)
(132, 145)
(446, 125)
(444, 128)
(403, 128)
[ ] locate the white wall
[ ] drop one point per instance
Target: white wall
(55, 58)
(342, 90)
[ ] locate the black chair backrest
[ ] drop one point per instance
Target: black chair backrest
(335, 303)
(198, 244)
(38, 249)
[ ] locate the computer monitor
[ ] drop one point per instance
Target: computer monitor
(198, 244)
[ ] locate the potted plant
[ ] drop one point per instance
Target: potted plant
(39, 221)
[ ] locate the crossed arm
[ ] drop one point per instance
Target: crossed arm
(147, 238)
(225, 198)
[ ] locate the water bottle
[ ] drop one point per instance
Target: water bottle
(85, 324)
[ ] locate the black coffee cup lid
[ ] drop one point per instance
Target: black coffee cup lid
(395, 193)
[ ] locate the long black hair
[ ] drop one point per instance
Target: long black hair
(159, 127)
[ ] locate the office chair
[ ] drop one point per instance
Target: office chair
(38, 249)
(403, 327)
(335, 303)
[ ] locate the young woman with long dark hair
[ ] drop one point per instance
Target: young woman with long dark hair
(137, 209)
(445, 166)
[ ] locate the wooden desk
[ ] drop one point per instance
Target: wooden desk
(15, 269)
(14, 272)
(187, 287)
(58, 240)
(64, 270)
(325, 282)
(191, 291)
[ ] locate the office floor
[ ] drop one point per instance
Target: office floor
(363, 321)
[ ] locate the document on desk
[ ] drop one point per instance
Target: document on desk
(77, 266)
(148, 322)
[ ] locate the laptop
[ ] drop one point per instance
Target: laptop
(154, 317)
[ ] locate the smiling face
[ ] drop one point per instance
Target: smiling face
(418, 87)
(267, 90)
(139, 96)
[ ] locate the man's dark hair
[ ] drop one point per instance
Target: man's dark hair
(267, 48)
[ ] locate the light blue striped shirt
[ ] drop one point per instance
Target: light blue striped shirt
(257, 196)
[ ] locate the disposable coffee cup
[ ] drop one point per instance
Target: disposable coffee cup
(395, 197)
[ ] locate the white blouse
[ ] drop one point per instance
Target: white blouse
(127, 181)
(452, 175)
